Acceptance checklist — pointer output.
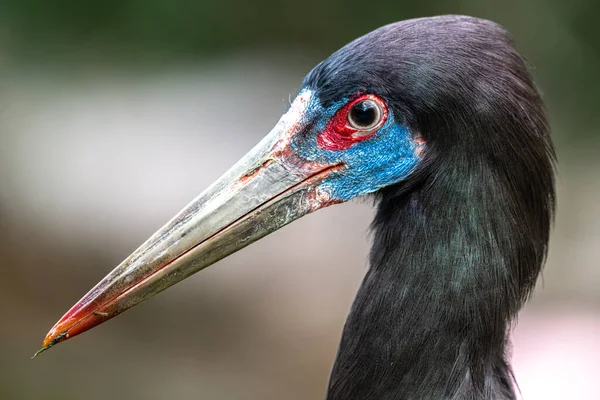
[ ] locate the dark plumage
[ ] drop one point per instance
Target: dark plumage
(458, 246)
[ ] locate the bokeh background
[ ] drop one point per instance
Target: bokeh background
(114, 114)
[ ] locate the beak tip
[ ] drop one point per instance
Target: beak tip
(72, 324)
(39, 352)
(50, 340)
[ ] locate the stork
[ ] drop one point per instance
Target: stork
(439, 121)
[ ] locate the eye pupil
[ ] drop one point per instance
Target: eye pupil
(364, 115)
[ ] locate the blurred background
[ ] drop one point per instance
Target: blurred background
(115, 114)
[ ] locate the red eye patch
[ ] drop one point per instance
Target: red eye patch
(340, 133)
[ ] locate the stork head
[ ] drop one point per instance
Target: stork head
(366, 118)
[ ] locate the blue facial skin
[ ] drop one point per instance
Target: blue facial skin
(384, 159)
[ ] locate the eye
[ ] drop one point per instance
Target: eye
(365, 115)
(358, 120)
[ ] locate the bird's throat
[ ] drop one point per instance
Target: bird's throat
(431, 318)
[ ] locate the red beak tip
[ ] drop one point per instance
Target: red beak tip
(72, 325)
(50, 340)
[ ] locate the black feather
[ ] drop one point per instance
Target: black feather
(458, 246)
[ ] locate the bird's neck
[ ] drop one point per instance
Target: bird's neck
(449, 270)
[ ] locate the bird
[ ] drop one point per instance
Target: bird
(438, 120)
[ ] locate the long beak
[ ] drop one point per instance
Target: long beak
(267, 189)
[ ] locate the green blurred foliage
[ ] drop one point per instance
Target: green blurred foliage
(192, 27)
(559, 37)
